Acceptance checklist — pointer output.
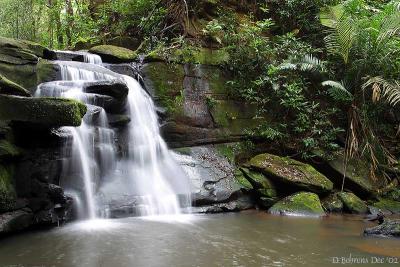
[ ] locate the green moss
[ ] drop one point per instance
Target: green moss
(114, 54)
(352, 203)
(261, 182)
(291, 172)
(7, 191)
(167, 84)
(183, 150)
(9, 87)
(388, 205)
(15, 72)
(242, 180)
(53, 112)
(332, 203)
(302, 203)
(22, 45)
(8, 150)
(227, 151)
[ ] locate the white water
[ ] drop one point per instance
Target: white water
(146, 170)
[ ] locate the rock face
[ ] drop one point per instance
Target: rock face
(7, 192)
(302, 203)
(390, 228)
(352, 203)
(291, 172)
(53, 112)
(114, 54)
(199, 108)
(15, 221)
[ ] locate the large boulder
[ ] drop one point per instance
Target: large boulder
(114, 88)
(390, 228)
(387, 205)
(8, 87)
(332, 203)
(51, 112)
(114, 54)
(302, 203)
(291, 172)
(352, 203)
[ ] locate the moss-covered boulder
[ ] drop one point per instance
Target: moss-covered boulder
(291, 172)
(7, 191)
(302, 203)
(352, 203)
(389, 228)
(8, 45)
(388, 205)
(51, 112)
(332, 203)
(260, 183)
(114, 54)
(8, 87)
(358, 175)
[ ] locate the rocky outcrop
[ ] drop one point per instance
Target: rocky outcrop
(302, 203)
(389, 228)
(114, 54)
(199, 108)
(352, 203)
(291, 172)
(8, 87)
(51, 112)
(387, 206)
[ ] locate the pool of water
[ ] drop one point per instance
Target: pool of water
(235, 239)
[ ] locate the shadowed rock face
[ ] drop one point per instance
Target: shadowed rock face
(390, 228)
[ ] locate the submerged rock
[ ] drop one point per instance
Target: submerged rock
(50, 112)
(302, 203)
(352, 203)
(114, 54)
(291, 172)
(390, 228)
(8, 87)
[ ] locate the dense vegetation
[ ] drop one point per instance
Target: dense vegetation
(327, 70)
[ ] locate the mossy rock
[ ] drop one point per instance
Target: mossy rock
(291, 172)
(9, 87)
(7, 191)
(302, 203)
(388, 205)
(352, 203)
(260, 182)
(165, 83)
(332, 203)
(389, 228)
(242, 180)
(114, 54)
(8, 150)
(358, 176)
(15, 72)
(23, 45)
(51, 112)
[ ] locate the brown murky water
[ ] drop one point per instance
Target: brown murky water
(237, 239)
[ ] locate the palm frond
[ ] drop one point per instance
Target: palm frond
(308, 63)
(330, 15)
(383, 88)
(338, 91)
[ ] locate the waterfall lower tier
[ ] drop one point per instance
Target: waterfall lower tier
(141, 175)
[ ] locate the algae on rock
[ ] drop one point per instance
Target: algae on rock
(302, 203)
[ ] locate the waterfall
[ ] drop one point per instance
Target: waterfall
(145, 170)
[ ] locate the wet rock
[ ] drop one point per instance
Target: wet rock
(114, 54)
(52, 112)
(388, 206)
(118, 120)
(352, 203)
(389, 228)
(302, 203)
(261, 183)
(21, 51)
(242, 203)
(116, 89)
(8, 150)
(8, 87)
(129, 69)
(332, 203)
(291, 172)
(15, 221)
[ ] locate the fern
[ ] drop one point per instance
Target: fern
(308, 63)
(383, 88)
(338, 91)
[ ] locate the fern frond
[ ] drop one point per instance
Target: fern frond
(338, 91)
(388, 90)
(308, 63)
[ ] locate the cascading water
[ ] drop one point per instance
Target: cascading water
(146, 170)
